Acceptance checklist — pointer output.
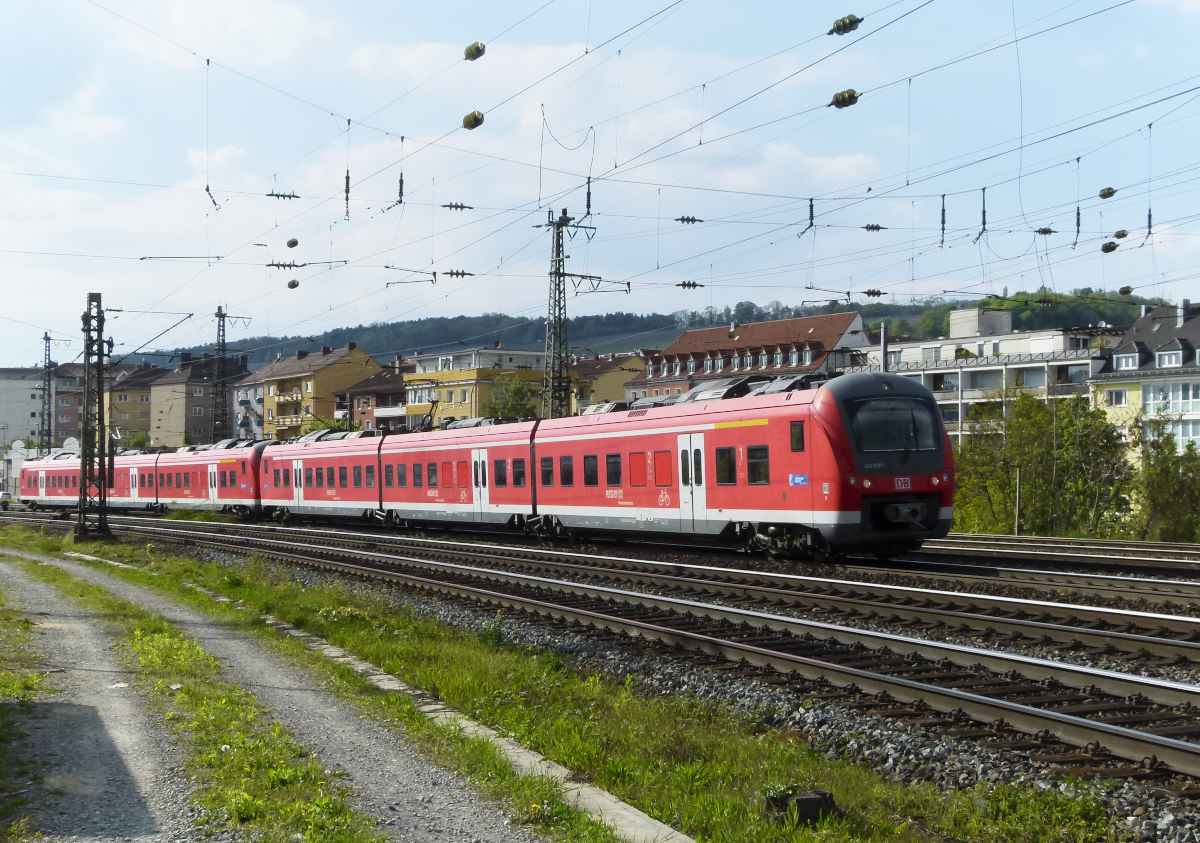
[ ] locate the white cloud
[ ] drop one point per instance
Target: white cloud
(76, 121)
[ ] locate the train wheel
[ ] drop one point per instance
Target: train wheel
(31, 506)
(4, 506)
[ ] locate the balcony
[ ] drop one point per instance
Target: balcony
(288, 398)
(338, 415)
(287, 421)
(243, 402)
(391, 412)
(1068, 388)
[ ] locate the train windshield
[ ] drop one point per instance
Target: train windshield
(894, 424)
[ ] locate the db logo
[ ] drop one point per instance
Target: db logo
(663, 498)
(903, 483)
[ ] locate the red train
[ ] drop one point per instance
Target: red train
(862, 462)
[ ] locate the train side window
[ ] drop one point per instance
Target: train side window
(758, 466)
(308, 480)
(287, 478)
(401, 475)
(320, 478)
(697, 467)
(74, 481)
(519, 473)
(177, 479)
(591, 470)
(726, 466)
(277, 478)
(243, 466)
(462, 474)
(500, 473)
(417, 476)
(161, 483)
(370, 477)
(475, 472)
(547, 471)
(342, 481)
(662, 468)
(798, 436)
(169, 480)
(358, 477)
(388, 477)
(637, 469)
(431, 474)
(685, 478)
(296, 471)
(612, 467)
(187, 480)
(329, 477)
(566, 471)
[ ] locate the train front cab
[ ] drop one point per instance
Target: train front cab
(894, 479)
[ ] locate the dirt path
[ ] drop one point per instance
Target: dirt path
(414, 798)
(107, 770)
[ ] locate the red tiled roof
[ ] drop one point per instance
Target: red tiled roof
(826, 330)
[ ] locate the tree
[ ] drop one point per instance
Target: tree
(1076, 479)
(317, 423)
(512, 399)
(1168, 490)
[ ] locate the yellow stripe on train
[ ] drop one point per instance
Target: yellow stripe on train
(746, 423)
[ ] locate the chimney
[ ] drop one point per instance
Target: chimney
(1184, 306)
(883, 361)
(1144, 309)
(300, 355)
(350, 346)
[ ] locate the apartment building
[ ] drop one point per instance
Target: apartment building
(304, 388)
(127, 400)
(456, 385)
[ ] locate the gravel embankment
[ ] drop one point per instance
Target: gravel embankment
(898, 751)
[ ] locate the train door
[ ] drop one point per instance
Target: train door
(212, 485)
(479, 482)
(298, 483)
(693, 502)
(799, 494)
(41, 490)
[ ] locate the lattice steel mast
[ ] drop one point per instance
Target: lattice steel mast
(220, 408)
(95, 468)
(46, 430)
(556, 382)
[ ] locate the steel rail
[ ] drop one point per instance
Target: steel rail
(1131, 744)
(964, 613)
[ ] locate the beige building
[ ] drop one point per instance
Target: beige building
(601, 378)
(462, 382)
(303, 389)
(128, 401)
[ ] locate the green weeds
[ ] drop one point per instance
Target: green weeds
(696, 766)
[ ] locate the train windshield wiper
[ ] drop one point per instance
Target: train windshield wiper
(912, 437)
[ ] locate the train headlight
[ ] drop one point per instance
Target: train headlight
(853, 480)
(866, 482)
(946, 476)
(935, 480)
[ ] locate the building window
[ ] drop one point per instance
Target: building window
(778, 359)
(64, 402)
(197, 392)
(1125, 361)
(144, 399)
(762, 360)
(691, 367)
(1116, 397)
(270, 414)
(62, 417)
(197, 431)
(748, 361)
(197, 411)
(308, 387)
(271, 389)
(708, 365)
(122, 399)
(677, 368)
(1170, 359)
(793, 358)
(808, 357)
(465, 396)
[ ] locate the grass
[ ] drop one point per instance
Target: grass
(200, 515)
(696, 766)
(20, 682)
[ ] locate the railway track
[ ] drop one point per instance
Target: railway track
(1021, 700)
(1089, 554)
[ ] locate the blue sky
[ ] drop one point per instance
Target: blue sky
(114, 121)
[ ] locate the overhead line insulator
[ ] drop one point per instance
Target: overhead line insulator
(688, 220)
(872, 294)
(1121, 235)
(474, 51)
(1046, 231)
(843, 25)
(473, 120)
(1108, 193)
(458, 206)
(874, 227)
(845, 98)
(1110, 246)
(689, 285)
(457, 273)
